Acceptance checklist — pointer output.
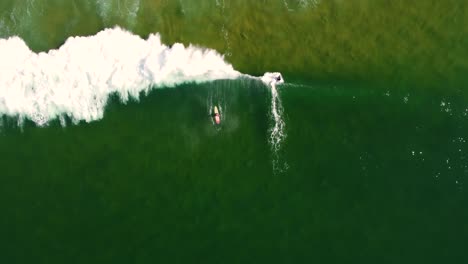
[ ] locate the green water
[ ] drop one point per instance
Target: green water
(376, 119)
(397, 41)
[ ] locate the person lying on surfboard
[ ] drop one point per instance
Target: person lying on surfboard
(216, 116)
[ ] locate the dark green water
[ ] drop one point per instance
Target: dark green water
(376, 118)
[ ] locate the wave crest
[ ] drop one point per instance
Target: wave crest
(77, 79)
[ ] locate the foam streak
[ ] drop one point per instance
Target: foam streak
(277, 132)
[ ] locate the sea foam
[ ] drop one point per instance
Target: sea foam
(277, 131)
(77, 79)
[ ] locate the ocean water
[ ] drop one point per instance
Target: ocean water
(356, 154)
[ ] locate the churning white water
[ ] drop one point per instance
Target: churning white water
(77, 79)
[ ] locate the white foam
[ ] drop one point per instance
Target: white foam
(270, 78)
(77, 79)
(277, 132)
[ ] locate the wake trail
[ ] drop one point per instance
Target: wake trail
(277, 131)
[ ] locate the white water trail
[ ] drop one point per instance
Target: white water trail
(277, 132)
(77, 79)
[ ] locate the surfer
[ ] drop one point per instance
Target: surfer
(270, 78)
(216, 116)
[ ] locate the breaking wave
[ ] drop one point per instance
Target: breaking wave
(77, 79)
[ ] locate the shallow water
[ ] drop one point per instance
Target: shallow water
(372, 166)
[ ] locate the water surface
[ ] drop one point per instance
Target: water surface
(372, 168)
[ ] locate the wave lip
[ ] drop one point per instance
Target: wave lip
(77, 79)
